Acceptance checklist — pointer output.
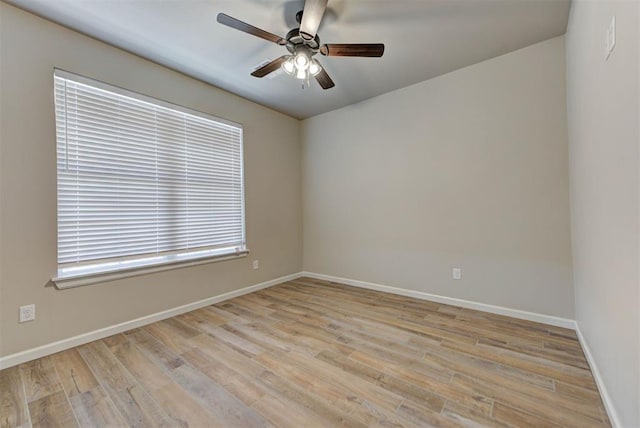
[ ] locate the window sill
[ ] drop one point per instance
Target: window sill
(87, 275)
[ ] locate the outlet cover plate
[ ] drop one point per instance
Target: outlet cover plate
(27, 313)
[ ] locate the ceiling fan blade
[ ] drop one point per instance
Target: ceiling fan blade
(324, 80)
(353, 49)
(311, 17)
(270, 68)
(229, 21)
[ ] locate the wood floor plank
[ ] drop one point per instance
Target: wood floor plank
(388, 357)
(496, 377)
(416, 415)
(293, 310)
(226, 356)
(182, 409)
(142, 368)
(40, 379)
(311, 340)
(341, 385)
(238, 383)
(486, 369)
(94, 408)
(362, 334)
(379, 372)
(576, 392)
(155, 351)
(226, 316)
(351, 309)
(285, 412)
(138, 407)
(440, 387)
(515, 418)
(74, 373)
(52, 410)
(201, 318)
(209, 366)
(221, 403)
(105, 366)
(132, 401)
(237, 342)
(14, 411)
(246, 390)
(542, 366)
(465, 416)
(314, 353)
(259, 335)
(579, 415)
(455, 325)
(323, 410)
(253, 307)
(550, 354)
(169, 336)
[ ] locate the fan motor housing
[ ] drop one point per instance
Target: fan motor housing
(294, 40)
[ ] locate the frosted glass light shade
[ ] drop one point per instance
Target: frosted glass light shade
(314, 68)
(302, 62)
(288, 66)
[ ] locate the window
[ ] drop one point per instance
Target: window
(141, 183)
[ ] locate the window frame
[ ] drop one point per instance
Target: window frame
(102, 270)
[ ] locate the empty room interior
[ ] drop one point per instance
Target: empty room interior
(312, 213)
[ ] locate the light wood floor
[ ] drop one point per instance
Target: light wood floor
(309, 353)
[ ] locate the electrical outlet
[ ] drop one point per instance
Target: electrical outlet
(27, 313)
(256, 264)
(457, 273)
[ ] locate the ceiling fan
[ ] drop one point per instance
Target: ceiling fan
(303, 44)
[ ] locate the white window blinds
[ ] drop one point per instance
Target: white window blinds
(139, 178)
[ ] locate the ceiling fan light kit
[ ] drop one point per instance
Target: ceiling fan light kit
(301, 65)
(303, 43)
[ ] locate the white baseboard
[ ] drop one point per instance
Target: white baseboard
(61, 345)
(606, 398)
(500, 310)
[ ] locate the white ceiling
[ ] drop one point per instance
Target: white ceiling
(423, 39)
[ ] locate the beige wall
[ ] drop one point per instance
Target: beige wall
(468, 169)
(603, 118)
(30, 48)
